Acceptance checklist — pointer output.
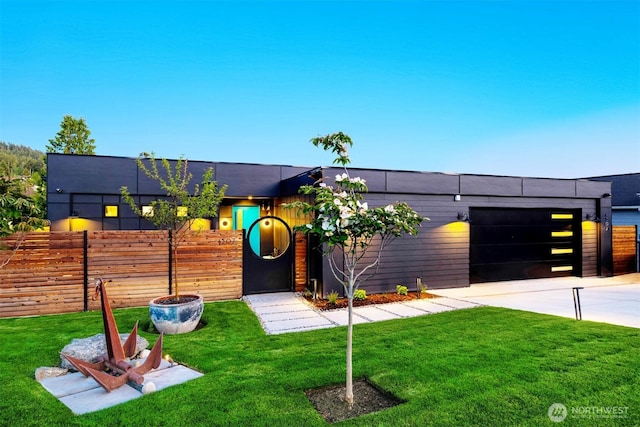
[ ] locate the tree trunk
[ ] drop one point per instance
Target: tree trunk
(349, 389)
(175, 273)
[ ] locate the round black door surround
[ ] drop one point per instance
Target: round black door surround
(274, 235)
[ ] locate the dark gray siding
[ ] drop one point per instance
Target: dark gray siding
(81, 185)
(440, 252)
(625, 188)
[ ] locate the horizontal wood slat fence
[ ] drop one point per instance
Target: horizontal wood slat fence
(300, 272)
(49, 272)
(624, 249)
(54, 272)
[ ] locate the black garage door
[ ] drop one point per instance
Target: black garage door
(513, 244)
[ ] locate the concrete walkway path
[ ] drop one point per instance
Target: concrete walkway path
(287, 312)
(614, 300)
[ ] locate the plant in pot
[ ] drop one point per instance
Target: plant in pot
(177, 212)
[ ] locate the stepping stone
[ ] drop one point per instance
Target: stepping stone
(375, 314)
(341, 317)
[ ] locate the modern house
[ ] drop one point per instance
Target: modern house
(625, 198)
(482, 228)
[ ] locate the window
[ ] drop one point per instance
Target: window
(561, 216)
(111, 211)
(561, 251)
(562, 268)
(562, 234)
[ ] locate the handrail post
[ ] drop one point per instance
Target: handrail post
(576, 302)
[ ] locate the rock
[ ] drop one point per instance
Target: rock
(49, 372)
(90, 349)
(148, 388)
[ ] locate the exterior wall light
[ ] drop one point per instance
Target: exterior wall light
(592, 217)
(457, 198)
(464, 216)
(225, 223)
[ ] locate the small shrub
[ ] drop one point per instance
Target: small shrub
(402, 290)
(307, 293)
(333, 297)
(423, 289)
(360, 295)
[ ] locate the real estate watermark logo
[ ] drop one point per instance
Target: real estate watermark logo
(558, 412)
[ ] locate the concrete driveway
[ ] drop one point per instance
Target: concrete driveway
(614, 300)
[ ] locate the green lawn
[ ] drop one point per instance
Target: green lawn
(483, 366)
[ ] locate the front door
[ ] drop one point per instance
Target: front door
(243, 217)
(268, 257)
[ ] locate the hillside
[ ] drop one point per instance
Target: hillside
(19, 160)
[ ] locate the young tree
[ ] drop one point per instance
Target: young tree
(73, 138)
(348, 229)
(176, 212)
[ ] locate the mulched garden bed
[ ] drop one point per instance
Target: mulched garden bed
(323, 304)
(330, 403)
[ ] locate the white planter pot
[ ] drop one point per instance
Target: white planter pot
(176, 318)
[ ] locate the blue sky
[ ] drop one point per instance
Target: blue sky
(546, 88)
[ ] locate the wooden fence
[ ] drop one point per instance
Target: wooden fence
(54, 272)
(300, 273)
(624, 249)
(45, 275)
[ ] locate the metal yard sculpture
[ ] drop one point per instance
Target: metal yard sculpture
(112, 370)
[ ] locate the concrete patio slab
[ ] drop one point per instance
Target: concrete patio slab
(287, 315)
(83, 394)
(429, 305)
(454, 303)
(274, 305)
(296, 325)
(341, 317)
(374, 313)
(96, 399)
(285, 312)
(277, 298)
(403, 310)
(288, 312)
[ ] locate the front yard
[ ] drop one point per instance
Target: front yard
(483, 366)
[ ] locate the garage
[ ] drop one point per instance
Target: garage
(518, 243)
